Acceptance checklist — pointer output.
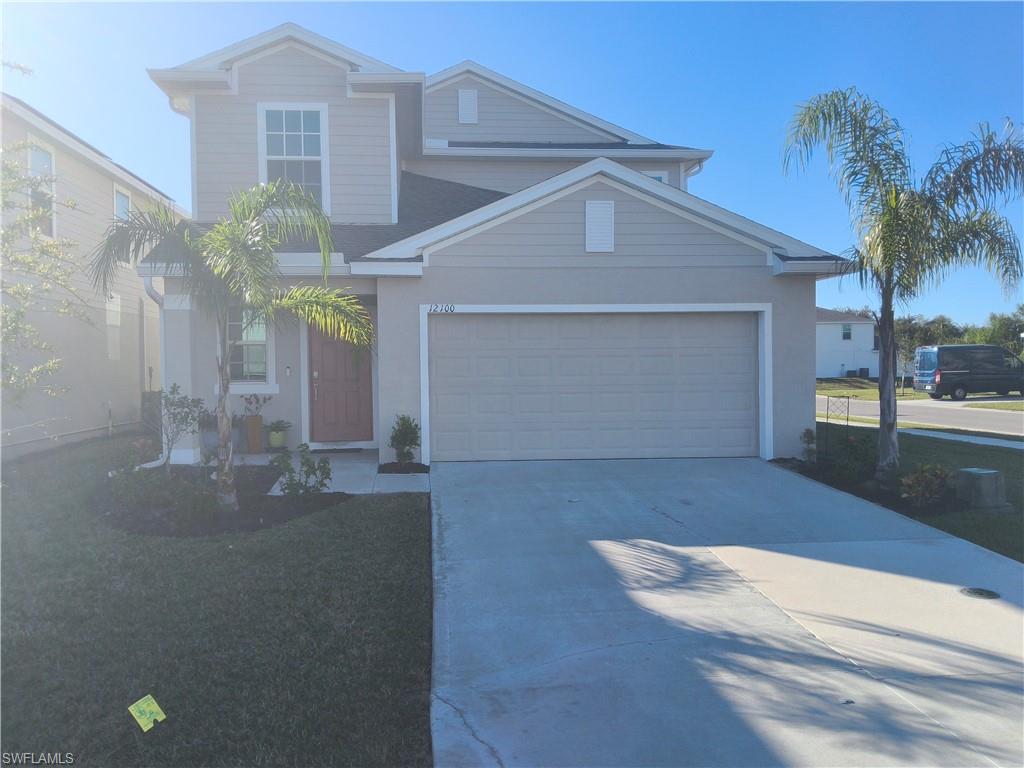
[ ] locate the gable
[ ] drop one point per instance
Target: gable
(553, 233)
(502, 115)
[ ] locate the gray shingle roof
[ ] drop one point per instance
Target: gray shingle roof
(559, 145)
(423, 202)
(835, 316)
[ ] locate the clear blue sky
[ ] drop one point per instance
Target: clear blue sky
(721, 76)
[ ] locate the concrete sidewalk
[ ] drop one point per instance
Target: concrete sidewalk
(712, 612)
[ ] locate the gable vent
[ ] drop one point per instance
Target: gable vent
(467, 106)
(600, 226)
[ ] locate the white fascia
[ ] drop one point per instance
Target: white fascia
(432, 148)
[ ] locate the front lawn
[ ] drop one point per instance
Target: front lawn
(1000, 405)
(861, 389)
(1003, 533)
(305, 644)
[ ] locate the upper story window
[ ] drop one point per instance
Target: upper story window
(293, 146)
(661, 176)
(847, 331)
(40, 163)
(122, 204)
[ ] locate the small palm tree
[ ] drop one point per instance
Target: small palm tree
(911, 232)
(234, 263)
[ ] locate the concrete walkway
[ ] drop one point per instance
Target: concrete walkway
(1016, 445)
(715, 612)
(354, 473)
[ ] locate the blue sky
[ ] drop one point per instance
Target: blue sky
(721, 76)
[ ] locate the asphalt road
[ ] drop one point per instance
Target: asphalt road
(945, 413)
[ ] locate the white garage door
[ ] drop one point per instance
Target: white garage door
(564, 386)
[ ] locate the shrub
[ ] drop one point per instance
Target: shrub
(405, 436)
(850, 461)
(809, 437)
(181, 415)
(925, 485)
(254, 403)
(312, 476)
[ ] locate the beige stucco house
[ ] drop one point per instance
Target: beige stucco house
(543, 283)
(109, 359)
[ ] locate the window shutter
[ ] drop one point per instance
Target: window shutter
(467, 106)
(600, 226)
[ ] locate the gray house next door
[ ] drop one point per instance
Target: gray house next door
(564, 386)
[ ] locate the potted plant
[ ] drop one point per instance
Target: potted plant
(208, 433)
(237, 434)
(276, 433)
(254, 420)
(405, 436)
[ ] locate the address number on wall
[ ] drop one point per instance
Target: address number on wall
(442, 307)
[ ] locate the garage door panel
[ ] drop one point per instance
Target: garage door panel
(592, 386)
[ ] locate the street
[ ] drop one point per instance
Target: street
(944, 413)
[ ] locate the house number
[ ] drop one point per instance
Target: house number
(442, 307)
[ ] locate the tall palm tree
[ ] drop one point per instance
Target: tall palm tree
(910, 232)
(235, 263)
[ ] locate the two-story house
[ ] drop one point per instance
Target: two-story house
(109, 348)
(542, 281)
(846, 344)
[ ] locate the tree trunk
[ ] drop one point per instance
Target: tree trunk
(225, 449)
(888, 443)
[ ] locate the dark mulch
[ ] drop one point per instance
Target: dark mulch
(184, 504)
(409, 468)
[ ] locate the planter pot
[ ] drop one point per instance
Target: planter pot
(254, 433)
(276, 438)
(237, 439)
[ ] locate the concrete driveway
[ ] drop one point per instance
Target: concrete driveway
(710, 612)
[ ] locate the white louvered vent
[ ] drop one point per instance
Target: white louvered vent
(600, 226)
(467, 106)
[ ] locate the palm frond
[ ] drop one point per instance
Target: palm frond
(331, 311)
(129, 240)
(864, 145)
(984, 171)
(290, 213)
(981, 238)
(240, 252)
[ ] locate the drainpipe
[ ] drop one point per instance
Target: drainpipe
(693, 171)
(158, 299)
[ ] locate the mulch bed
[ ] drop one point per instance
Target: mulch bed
(409, 468)
(184, 505)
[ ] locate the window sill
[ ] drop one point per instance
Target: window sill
(253, 388)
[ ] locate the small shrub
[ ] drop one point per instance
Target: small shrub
(181, 415)
(405, 436)
(850, 462)
(254, 403)
(925, 485)
(312, 476)
(809, 437)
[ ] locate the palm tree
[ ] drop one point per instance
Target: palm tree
(233, 263)
(911, 233)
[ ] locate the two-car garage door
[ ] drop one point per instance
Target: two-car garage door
(564, 386)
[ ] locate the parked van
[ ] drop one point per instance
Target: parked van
(956, 369)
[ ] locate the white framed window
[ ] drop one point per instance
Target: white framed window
(661, 176)
(847, 331)
(468, 106)
(252, 354)
(113, 311)
(600, 226)
(42, 162)
(293, 145)
(122, 203)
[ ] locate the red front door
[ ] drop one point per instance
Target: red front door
(341, 392)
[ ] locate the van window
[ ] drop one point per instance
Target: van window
(1010, 361)
(954, 360)
(986, 361)
(925, 359)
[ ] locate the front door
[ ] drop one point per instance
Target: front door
(341, 390)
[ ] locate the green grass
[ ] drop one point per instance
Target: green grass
(1003, 533)
(861, 389)
(306, 644)
(1000, 405)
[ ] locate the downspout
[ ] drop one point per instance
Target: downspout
(692, 171)
(158, 299)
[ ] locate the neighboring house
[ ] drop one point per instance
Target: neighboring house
(846, 344)
(110, 359)
(543, 284)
